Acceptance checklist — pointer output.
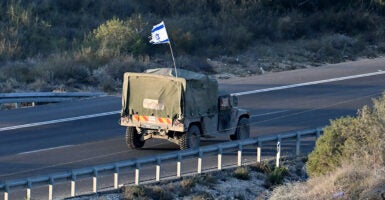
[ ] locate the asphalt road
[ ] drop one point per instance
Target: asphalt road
(54, 147)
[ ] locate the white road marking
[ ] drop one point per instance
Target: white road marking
(47, 149)
(58, 121)
(234, 94)
(269, 113)
(308, 83)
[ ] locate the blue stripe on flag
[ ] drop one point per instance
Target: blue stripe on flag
(157, 28)
(160, 42)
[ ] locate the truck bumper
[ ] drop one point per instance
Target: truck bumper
(152, 123)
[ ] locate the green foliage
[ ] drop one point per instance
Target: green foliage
(202, 195)
(188, 183)
(242, 173)
(261, 167)
(134, 192)
(329, 147)
(115, 37)
(146, 192)
(276, 176)
(351, 139)
(198, 27)
(91, 37)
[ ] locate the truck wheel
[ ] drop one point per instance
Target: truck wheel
(242, 131)
(190, 139)
(133, 139)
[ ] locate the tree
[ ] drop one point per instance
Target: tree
(115, 37)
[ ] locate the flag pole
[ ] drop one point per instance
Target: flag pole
(173, 59)
(172, 52)
(159, 36)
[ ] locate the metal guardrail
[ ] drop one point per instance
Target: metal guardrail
(155, 160)
(45, 97)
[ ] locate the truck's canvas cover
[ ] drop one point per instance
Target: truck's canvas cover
(159, 93)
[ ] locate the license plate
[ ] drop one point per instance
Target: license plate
(152, 119)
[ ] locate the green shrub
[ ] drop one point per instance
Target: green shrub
(202, 195)
(242, 173)
(157, 192)
(188, 183)
(115, 37)
(261, 167)
(61, 69)
(329, 147)
(134, 192)
(203, 179)
(276, 176)
(351, 139)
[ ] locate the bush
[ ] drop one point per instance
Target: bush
(261, 167)
(276, 176)
(61, 69)
(350, 181)
(188, 183)
(242, 173)
(116, 37)
(21, 72)
(146, 192)
(134, 192)
(351, 139)
(202, 195)
(193, 63)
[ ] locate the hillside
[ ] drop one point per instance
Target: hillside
(86, 45)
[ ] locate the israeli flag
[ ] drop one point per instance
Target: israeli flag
(159, 34)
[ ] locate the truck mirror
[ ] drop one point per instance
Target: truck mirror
(235, 101)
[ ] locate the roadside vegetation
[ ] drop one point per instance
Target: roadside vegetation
(248, 182)
(86, 45)
(348, 160)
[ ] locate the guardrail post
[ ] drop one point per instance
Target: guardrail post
(50, 188)
(6, 192)
(259, 151)
(278, 151)
(116, 177)
(95, 182)
(220, 151)
(29, 186)
(137, 173)
(200, 155)
(178, 165)
(298, 145)
(73, 184)
(239, 155)
(157, 176)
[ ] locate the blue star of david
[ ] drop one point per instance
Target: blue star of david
(157, 37)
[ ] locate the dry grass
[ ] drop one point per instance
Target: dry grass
(242, 173)
(347, 182)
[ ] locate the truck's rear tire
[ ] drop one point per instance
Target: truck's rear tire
(133, 139)
(191, 138)
(242, 131)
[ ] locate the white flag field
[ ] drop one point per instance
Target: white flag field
(159, 34)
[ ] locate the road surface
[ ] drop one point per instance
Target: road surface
(64, 136)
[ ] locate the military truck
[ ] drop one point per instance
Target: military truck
(181, 109)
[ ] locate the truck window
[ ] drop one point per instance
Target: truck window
(224, 103)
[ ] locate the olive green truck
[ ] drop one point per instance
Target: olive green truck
(181, 109)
